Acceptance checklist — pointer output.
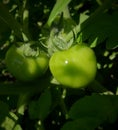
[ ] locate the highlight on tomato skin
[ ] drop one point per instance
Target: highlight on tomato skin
(25, 68)
(75, 67)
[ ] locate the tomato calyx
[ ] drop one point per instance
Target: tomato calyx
(57, 42)
(29, 49)
(55, 35)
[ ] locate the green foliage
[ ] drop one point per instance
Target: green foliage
(40, 109)
(104, 27)
(10, 122)
(10, 21)
(4, 110)
(91, 111)
(52, 26)
(87, 107)
(58, 8)
(86, 123)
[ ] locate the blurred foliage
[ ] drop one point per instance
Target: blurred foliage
(41, 105)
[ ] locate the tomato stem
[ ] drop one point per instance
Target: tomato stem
(70, 35)
(64, 108)
(62, 104)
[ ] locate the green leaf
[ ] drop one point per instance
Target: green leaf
(8, 19)
(112, 41)
(83, 17)
(22, 102)
(10, 122)
(103, 27)
(4, 110)
(86, 123)
(58, 7)
(40, 109)
(99, 106)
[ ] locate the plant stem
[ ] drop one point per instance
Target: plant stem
(17, 88)
(66, 13)
(62, 104)
(25, 19)
(64, 108)
(76, 30)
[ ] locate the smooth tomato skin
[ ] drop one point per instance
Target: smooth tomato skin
(75, 67)
(25, 68)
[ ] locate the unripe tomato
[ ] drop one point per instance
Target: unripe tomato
(25, 68)
(75, 67)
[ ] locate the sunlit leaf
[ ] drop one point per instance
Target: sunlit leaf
(58, 7)
(10, 122)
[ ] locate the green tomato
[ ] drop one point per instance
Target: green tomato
(25, 68)
(75, 67)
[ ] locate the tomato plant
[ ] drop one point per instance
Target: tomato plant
(23, 67)
(75, 67)
(58, 65)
